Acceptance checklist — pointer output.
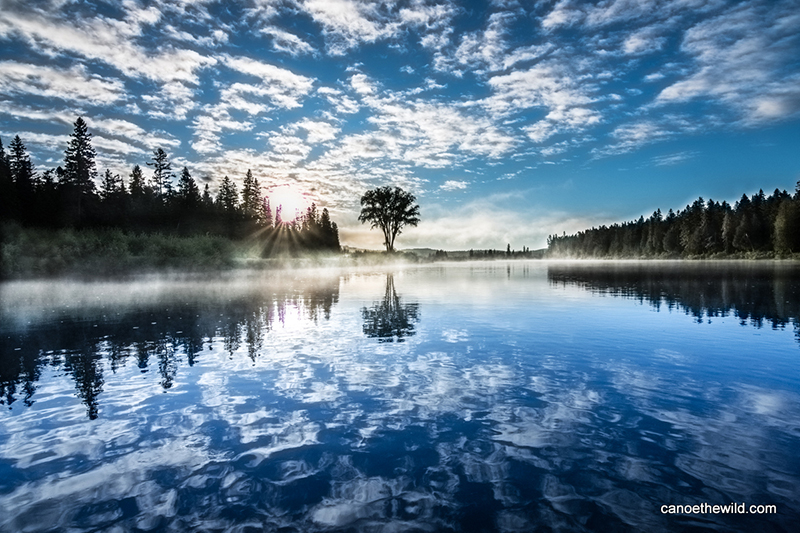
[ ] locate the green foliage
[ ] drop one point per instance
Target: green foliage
(35, 252)
(79, 165)
(757, 226)
(65, 199)
(162, 172)
(389, 209)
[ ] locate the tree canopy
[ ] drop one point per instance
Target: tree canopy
(74, 196)
(390, 209)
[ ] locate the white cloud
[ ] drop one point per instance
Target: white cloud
(744, 58)
(283, 87)
(673, 159)
(362, 84)
(317, 131)
(453, 185)
(173, 101)
(545, 85)
(486, 49)
(644, 41)
(286, 42)
(629, 137)
(108, 40)
(73, 84)
(104, 144)
(342, 103)
(347, 24)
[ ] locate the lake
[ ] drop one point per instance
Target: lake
(480, 396)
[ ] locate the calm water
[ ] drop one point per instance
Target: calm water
(520, 396)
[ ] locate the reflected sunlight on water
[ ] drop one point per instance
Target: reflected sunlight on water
(453, 397)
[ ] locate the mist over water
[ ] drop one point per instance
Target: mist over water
(515, 396)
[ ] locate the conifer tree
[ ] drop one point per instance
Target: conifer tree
(188, 192)
(208, 201)
(111, 186)
(251, 198)
(228, 197)
(267, 213)
(23, 178)
(137, 185)
(162, 173)
(79, 165)
(7, 193)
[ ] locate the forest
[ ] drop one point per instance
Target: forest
(754, 227)
(152, 200)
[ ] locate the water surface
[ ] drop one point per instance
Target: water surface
(519, 396)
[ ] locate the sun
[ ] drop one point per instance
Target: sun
(292, 202)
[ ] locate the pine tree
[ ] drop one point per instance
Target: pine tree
(188, 191)
(111, 186)
(208, 202)
(7, 193)
(162, 172)
(251, 198)
(23, 178)
(330, 231)
(228, 197)
(79, 165)
(267, 213)
(137, 186)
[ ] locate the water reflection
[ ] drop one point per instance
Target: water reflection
(390, 319)
(169, 330)
(756, 294)
(529, 404)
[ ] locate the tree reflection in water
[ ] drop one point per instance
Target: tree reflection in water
(86, 343)
(390, 319)
(755, 293)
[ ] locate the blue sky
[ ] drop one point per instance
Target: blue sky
(508, 120)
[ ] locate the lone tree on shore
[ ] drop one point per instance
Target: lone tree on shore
(389, 209)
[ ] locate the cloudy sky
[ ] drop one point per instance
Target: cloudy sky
(508, 120)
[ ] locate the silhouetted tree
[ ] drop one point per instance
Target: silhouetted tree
(7, 194)
(252, 206)
(389, 209)
(23, 176)
(162, 172)
(188, 194)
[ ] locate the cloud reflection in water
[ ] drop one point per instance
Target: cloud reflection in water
(273, 407)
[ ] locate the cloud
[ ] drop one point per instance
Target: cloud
(208, 129)
(644, 41)
(545, 85)
(289, 43)
(629, 137)
(453, 185)
(673, 159)
(72, 84)
(342, 103)
(173, 101)
(317, 131)
(487, 48)
(108, 40)
(745, 59)
(346, 24)
(283, 87)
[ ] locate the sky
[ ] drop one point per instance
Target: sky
(508, 120)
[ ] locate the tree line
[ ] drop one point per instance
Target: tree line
(69, 197)
(757, 225)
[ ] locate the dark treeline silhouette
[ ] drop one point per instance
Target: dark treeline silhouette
(88, 344)
(68, 197)
(754, 226)
(755, 293)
